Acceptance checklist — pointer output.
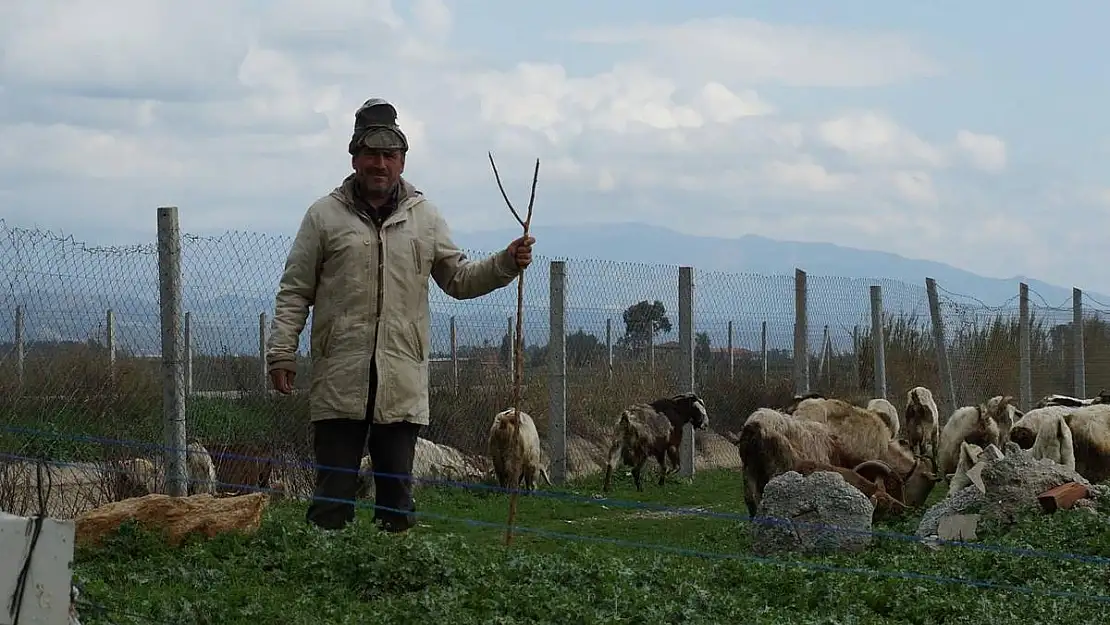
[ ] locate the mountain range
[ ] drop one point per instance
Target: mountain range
(228, 281)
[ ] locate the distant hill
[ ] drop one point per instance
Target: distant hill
(66, 288)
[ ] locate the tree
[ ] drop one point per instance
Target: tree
(642, 321)
(701, 348)
(584, 349)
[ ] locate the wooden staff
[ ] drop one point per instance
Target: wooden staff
(518, 347)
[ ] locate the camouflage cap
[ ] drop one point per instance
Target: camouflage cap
(376, 127)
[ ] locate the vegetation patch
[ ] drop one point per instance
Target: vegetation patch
(618, 564)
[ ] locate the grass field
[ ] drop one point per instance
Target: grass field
(449, 571)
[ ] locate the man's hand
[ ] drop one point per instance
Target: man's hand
(282, 379)
(521, 251)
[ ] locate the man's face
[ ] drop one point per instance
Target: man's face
(378, 170)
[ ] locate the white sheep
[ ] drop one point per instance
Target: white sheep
(200, 470)
(888, 412)
(1054, 442)
(974, 424)
(1024, 431)
(1090, 432)
(135, 477)
(514, 447)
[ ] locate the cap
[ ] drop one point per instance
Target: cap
(376, 127)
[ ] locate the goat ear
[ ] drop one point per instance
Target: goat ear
(880, 484)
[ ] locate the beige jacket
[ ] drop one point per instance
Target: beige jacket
(369, 293)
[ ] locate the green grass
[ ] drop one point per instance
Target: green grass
(451, 572)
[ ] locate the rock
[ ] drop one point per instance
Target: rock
(824, 498)
(177, 516)
(1012, 485)
(441, 462)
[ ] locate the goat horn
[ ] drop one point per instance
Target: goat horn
(881, 466)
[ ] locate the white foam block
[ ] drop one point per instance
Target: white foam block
(46, 597)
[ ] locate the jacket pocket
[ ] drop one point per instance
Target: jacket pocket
(416, 340)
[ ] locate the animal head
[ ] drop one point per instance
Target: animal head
(689, 408)
(797, 399)
(1022, 436)
(888, 488)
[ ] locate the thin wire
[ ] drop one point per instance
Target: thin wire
(619, 503)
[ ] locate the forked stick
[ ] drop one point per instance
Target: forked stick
(518, 347)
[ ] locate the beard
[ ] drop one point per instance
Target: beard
(375, 184)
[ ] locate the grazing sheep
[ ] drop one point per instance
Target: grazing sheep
(200, 470)
(833, 411)
(969, 455)
(886, 505)
(888, 412)
(1005, 415)
(974, 424)
(514, 446)
(1024, 431)
(135, 477)
(1090, 433)
(922, 418)
(1054, 441)
(1103, 397)
(242, 468)
(772, 443)
(863, 434)
(653, 430)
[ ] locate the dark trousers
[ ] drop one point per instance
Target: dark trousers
(341, 443)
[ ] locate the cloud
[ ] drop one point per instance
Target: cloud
(986, 152)
(751, 51)
(240, 113)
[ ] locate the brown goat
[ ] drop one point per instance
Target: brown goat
(242, 468)
(653, 430)
(922, 428)
(772, 443)
(886, 504)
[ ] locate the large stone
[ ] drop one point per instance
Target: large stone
(822, 502)
(177, 516)
(1011, 487)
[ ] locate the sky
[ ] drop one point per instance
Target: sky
(974, 133)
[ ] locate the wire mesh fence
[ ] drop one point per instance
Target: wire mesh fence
(81, 337)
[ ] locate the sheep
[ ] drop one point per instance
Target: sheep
(1090, 433)
(863, 433)
(1054, 442)
(969, 455)
(1006, 414)
(514, 446)
(242, 467)
(1024, 431)
(886, 505)
(1103, 397)
(974, 424)
(772, 443)
(888, 412)
(135, 477)
(922, 429)
(653, 430)
(200, 469)
(831, 410)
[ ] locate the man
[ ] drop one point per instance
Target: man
(361, 258)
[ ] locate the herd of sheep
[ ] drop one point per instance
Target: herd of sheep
(895, 460)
